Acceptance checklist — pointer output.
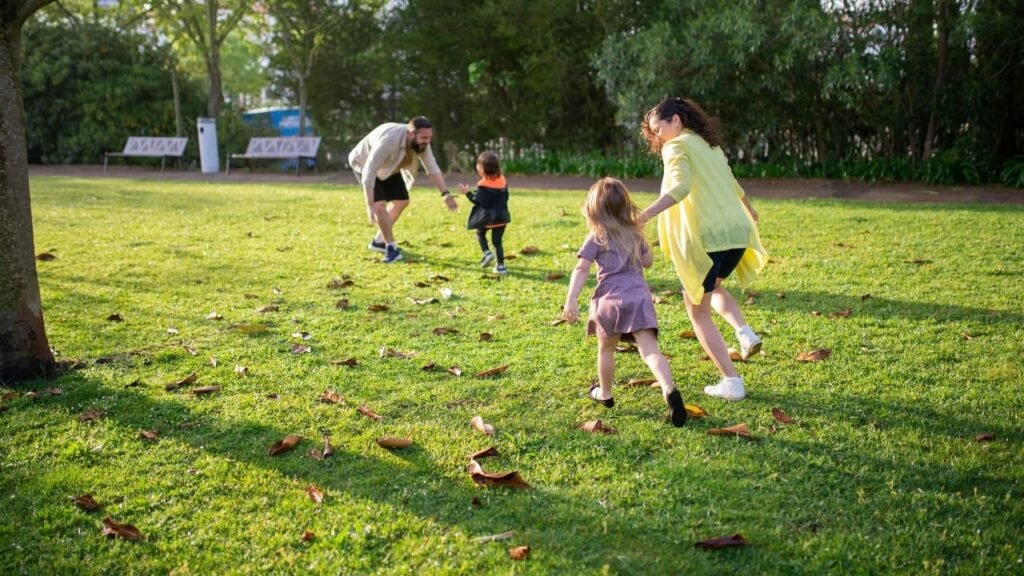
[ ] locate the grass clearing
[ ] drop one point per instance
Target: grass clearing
(881, 474)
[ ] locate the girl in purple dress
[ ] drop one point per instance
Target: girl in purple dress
(621, 307)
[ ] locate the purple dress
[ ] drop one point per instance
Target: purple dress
(621, 303)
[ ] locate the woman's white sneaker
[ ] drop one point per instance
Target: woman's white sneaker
(750, 343)
(727, 389)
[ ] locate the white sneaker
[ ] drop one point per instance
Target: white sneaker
(727, 389)
(750, 343)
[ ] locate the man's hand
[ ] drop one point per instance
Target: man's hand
(571, 312)
(450, 202)
(371, 215)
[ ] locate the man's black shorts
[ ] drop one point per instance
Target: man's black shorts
(722, 265)
(393, 188)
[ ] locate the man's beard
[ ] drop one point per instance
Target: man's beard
(417, 147)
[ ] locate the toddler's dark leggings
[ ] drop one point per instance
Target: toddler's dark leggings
(496, 234)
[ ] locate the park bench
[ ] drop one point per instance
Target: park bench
(152, 147)
(283, 148)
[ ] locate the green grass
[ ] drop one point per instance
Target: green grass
(882, 474)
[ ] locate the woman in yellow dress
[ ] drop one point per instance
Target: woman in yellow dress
(706, 227)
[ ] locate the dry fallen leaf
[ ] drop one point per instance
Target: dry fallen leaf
(289, 442)
(192, 351)
(438, 278)
(54, 391)
(596, 426)
(491, 372)
(315, 494)
(307, 536)
(214, 361)
(421, 284)
(966, 336)
(85, 502)
(422, 301)
(8, 396)
(267, 308)
(300, 349)
(272, 396)
(985, 437)
(242, 371)
(478, 424)
(486, 336)
(485, 453)
(842, 313)
(126, 531)
(441, 331)
(377, 308)
(446, 293)
(782, 417)
(529, 250)
(115, 318)
(557, 322)
(455, 371)
(340, 283)
(328, 450)
(45, 257)
(552, 276)
(341, 304)
(494, 537)
(519, 552)
(214, 316)
(505, 479)
(149, 434)
(814, 355)
(396, 353)
(392, 443)
(429, 367)
(302, 335)
(694, 411)
(365, 411)
(205, 390)
(350, 362)
(732, 541)
(734, 355)
(740, 430)
(190, 379)
(32, 394)
(331, 397)
(90, 415)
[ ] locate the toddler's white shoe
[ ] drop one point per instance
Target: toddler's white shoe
(727, 389)
(750, 343)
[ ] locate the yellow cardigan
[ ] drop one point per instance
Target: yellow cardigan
(709, 215)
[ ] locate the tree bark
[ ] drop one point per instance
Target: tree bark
(942, 26)
(178, 123)
(24, 350)
(215, 99)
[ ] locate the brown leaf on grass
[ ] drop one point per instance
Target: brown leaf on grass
(626, 347)
(251, 328)
(422, 301)
(510, 257)
(739, 430)
(392, 443)
(491, 372)
(694, 411)
(749, 301)
(865, 296)
(272, 396)
(919, 261)
(214, 316)
(191, 351)
(214, 361)
(89, 415)
(365, 411)
(250, 296)
(126, 531)
(319, 455)
(267, 308)
(149, 434)
(442, 330)
(504, 479)
(635, 383)
(429, 367)
(115, 318)
(331, 397)
(86, 502)
(289, 442)
(519, 552)
(688, 335)
(307, 536)
(438, 278)
(336, 283)
(557, 322)
(45, 257)
(552, 276)
(985, 437)
(780, 295)
(205, 390)
(190, 379)
(529, 250)
(8, 396)
(242, 371)
(596, 427)
(315, 494)
(496, 317)
(300, 349)
(134, 383)
(485, 453)
(302, 335)
(815, 313)
(658, 299)
(494, 537)
(396, 353)
(341, 304)
(454, 311)
(54, 391)
(478, 424)
(486, 336)
(350, 362)
(814, 355)
(421, 284)
(842, 313)
(735, 355)
(966, 336)
(377, 308)
(781, 416)
(732, 541)
(455, 370)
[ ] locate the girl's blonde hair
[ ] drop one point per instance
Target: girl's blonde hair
(611, 217)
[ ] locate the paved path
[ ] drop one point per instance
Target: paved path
(766, 188)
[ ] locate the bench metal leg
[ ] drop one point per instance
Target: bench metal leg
(162, 160)
(229, 165)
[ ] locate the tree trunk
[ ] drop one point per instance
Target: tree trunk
(942, 26)
(215, 98)
(178, 123)
(302, 105)
(24, 349)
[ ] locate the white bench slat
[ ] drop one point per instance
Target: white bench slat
(161, 147)
(280, 148)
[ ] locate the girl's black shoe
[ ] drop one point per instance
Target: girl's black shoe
(610, 402)
(676, 410)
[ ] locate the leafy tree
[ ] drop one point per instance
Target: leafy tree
(24, 349)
